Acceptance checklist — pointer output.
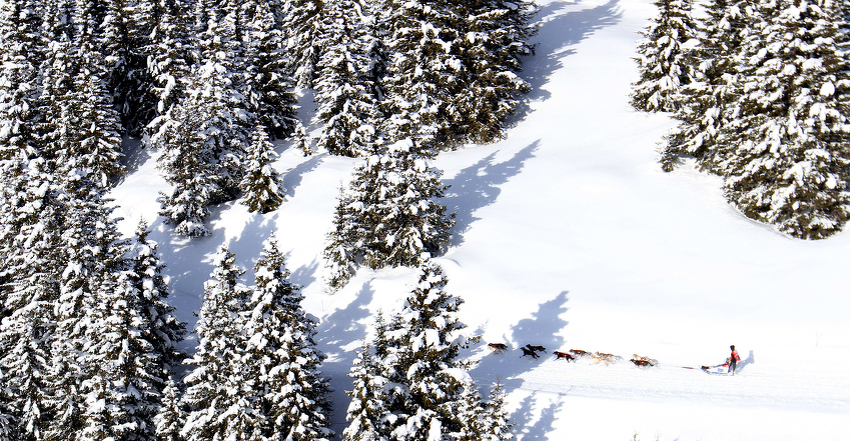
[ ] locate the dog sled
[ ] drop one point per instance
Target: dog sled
(720, 369)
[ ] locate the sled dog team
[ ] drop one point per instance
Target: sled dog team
(602, 358)
(574, 354)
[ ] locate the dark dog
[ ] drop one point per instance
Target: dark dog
(559, 355)
(497, 347)
(535, 348)
(642, 363)
(529, 352)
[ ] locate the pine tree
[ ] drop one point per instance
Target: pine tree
(90, 257)
(214, 384)
(32, 219)
(347, 89)
(160, 328)
(21, 56)
(123, 375)
(786, 146)
(301, 23)
(7, 432)
(489, 89)
(169, 62)
(281, 362)
(495, 424)
(56, 77)
(712, 88)
(261, 186)
(23, 361)
(91, 141)
(367, 414)
(422, 72)
(186, 162)
(124, 33)
(170, 417)
(268, 86)
(205, 138)
(389, 216)
(428, 392)
(663, 69)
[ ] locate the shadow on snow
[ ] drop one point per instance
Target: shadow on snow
(477, 186)
(543, 328)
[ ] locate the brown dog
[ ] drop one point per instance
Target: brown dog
(559, 355)
(497, 347)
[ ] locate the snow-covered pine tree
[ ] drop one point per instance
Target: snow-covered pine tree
(787, 145)
(21, 57)
(124, 34)
(186, 162)
(495, 424)
(281, 364)
(214, 385)
(56, 81)
(268, 86)
(204, 140)
(348, 93)
(32, 219)
(389, 215)
(161, 327)
(169, 59)
(58, 19)
(262, 188)
(90, 256)
(91, 140)
(423, 66)
(300, 20)
(7, 425)
(703, 108)
(430, 383)
(493, 37)
(170, 416)
(123, 378)
(366, 414)
(663, 69)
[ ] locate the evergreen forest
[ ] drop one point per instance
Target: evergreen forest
(89, 344)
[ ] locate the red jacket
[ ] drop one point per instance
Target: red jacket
(735, 356)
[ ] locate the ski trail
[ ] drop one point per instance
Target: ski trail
(780, 389)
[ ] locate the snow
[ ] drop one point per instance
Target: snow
(570, 236)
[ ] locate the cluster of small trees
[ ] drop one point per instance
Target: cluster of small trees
(433, 74)
(256, 369)
(257, 372)
(760, 89)
(408, 381)
(397, 91)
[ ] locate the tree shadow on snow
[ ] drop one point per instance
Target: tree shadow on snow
(558, 32)
(525, 423)
(338, 335)
(134, 156)
(292, 177)
(543, 328)
(477, 186)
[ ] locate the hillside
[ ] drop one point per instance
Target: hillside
(569, 235)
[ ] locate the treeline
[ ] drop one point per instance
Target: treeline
(89, 344)
(760, 89)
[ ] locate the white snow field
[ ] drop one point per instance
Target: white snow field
(570, 236)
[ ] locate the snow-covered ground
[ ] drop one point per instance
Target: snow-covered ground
(570, 236)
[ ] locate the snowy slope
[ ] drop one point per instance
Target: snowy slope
(570, 236)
